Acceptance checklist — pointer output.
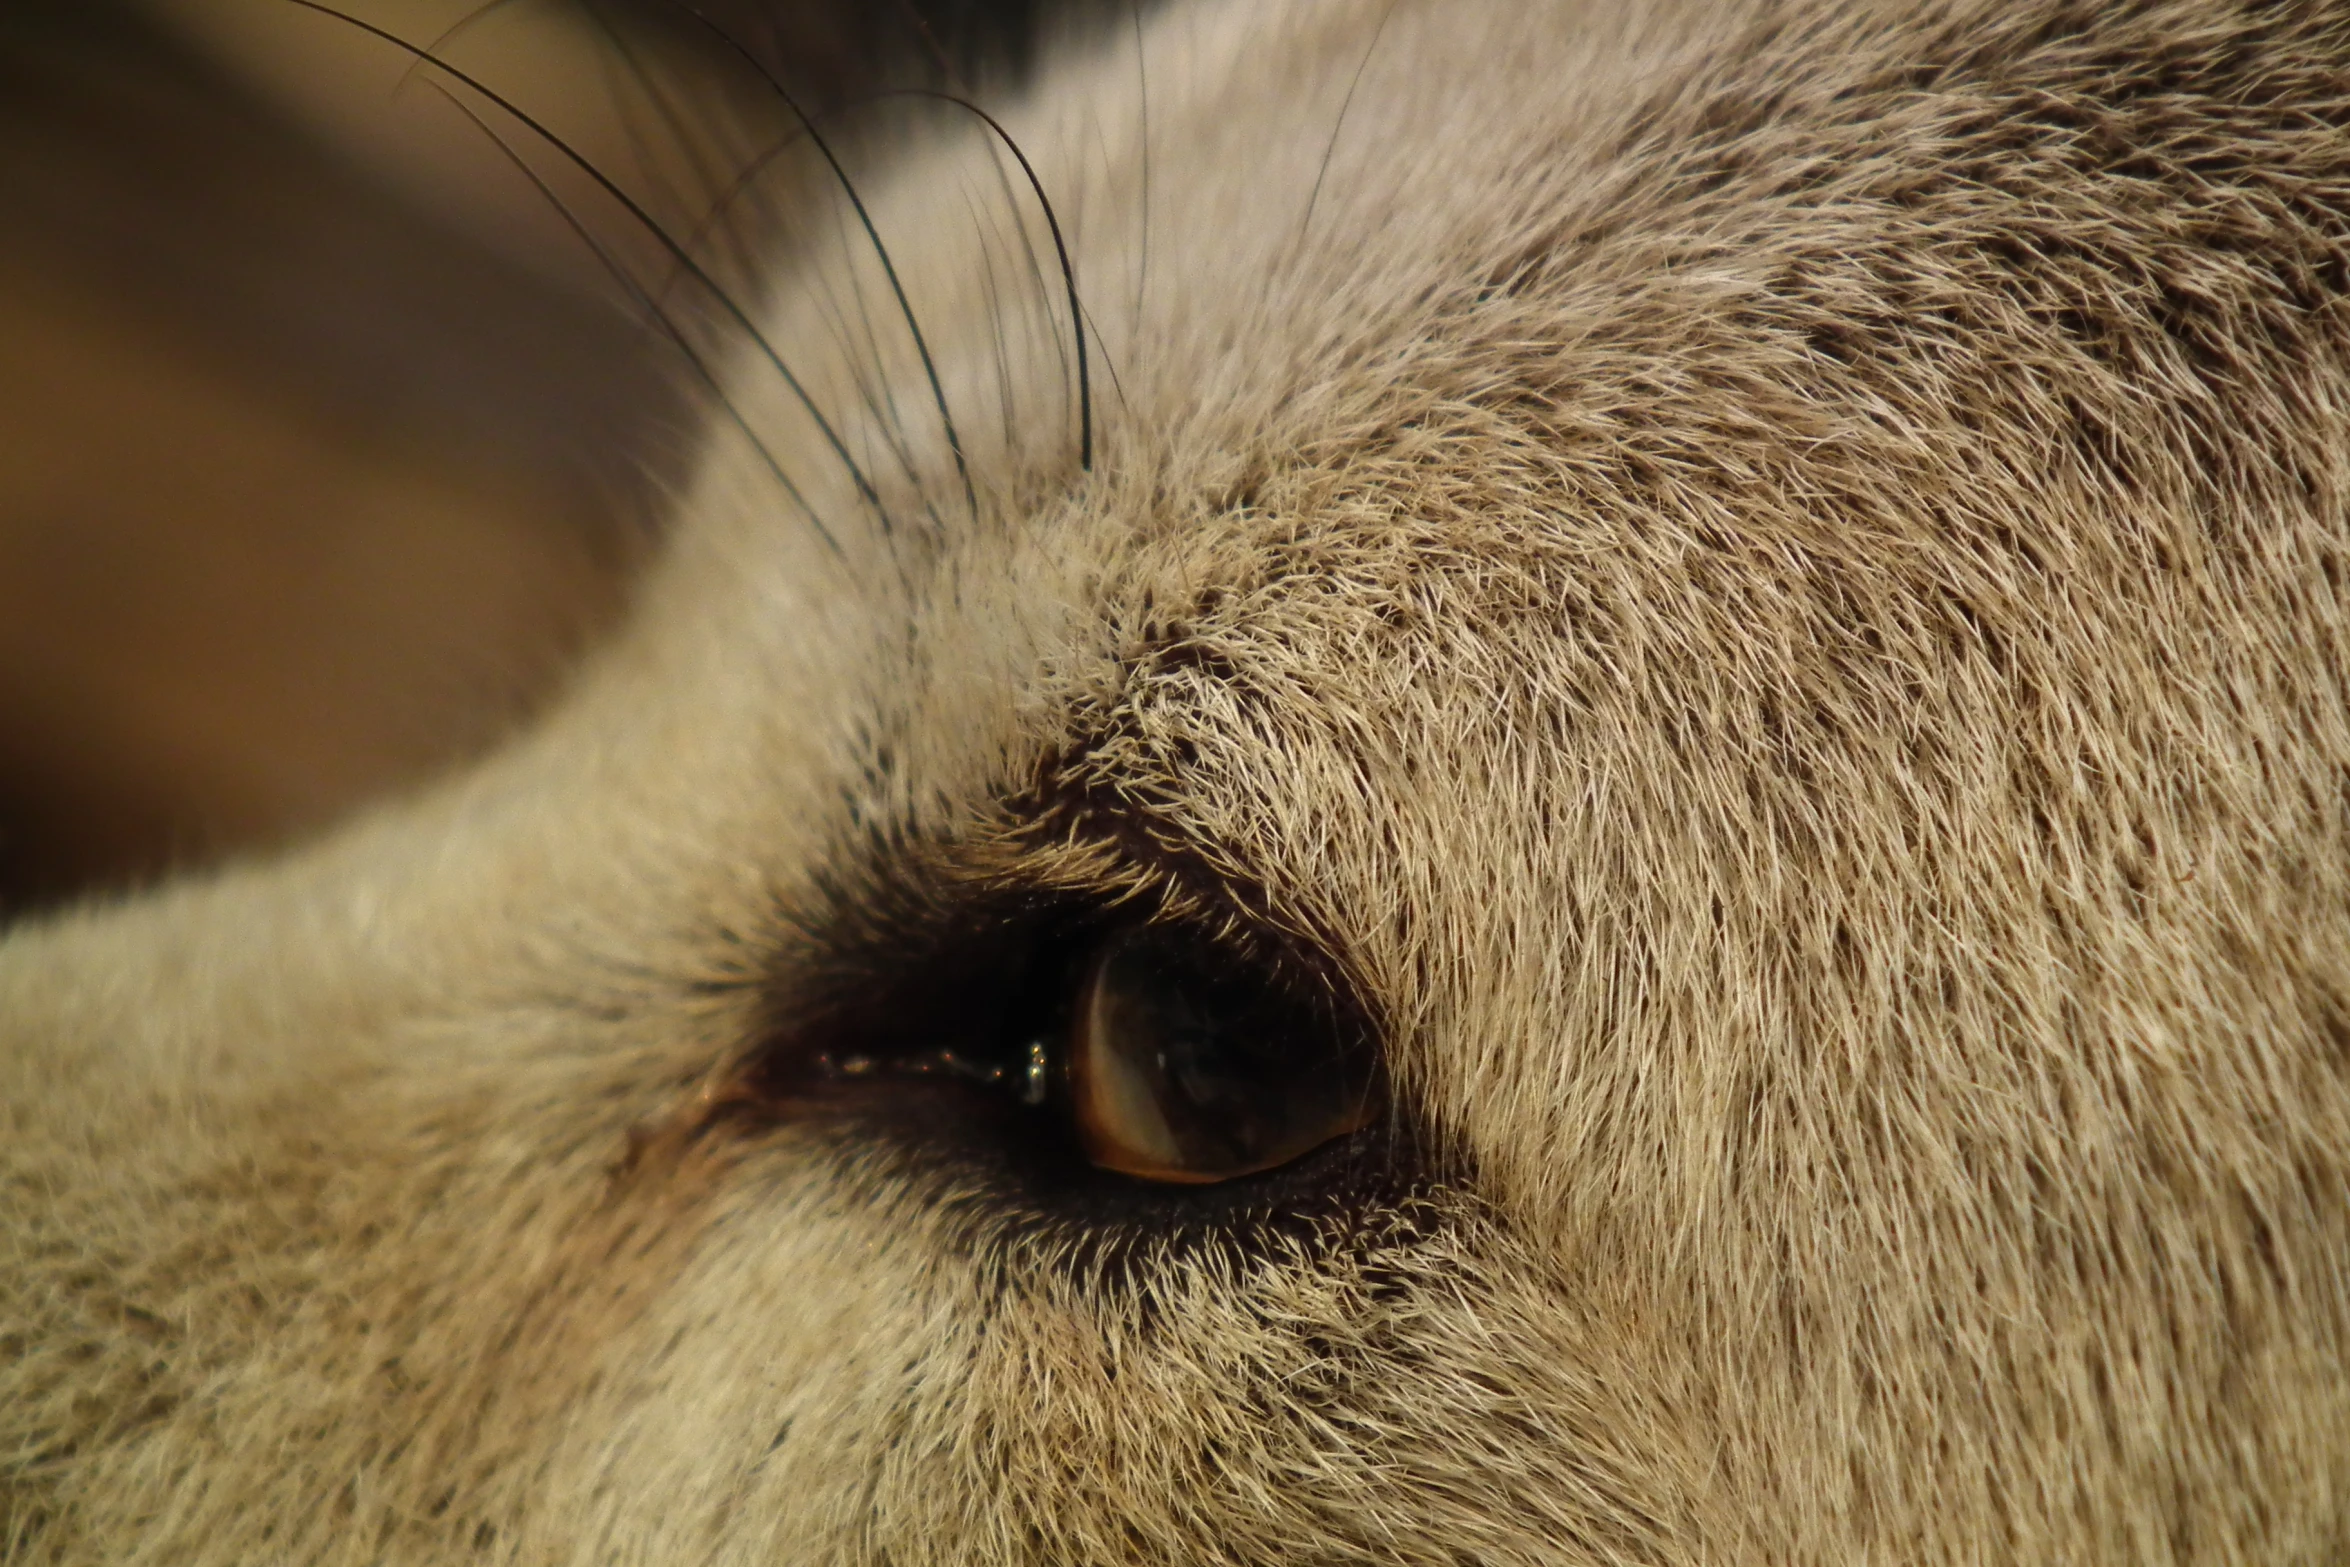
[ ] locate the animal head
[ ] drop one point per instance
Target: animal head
(1591, 810)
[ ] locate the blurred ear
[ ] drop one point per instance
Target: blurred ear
(325, 442)
(305, 489)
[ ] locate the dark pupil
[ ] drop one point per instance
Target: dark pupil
(1245, 1074)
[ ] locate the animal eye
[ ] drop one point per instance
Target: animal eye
(1181, 1067)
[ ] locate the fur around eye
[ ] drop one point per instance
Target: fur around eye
(1182, 1068)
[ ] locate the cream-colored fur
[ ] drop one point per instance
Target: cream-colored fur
(1767, 586)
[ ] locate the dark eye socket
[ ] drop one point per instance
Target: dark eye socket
(1180, 1067)
(1141, 1049)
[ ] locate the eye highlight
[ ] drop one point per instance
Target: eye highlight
(1182, 1067)
(1085, 1058)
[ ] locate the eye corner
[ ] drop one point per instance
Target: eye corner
(984, 1020)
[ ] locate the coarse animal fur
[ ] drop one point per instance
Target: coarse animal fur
(1761, 587)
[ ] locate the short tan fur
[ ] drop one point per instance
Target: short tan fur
(1763, 587)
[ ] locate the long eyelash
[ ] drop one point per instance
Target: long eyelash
(661, 102)
(651, 226)
(720, 209)
(1023, 233)
(880, 251)
(1006, 399)
(680, 135)
(1142, 85)
(654, 312)
(960, 95)
(447, 36)
(1323, 171)
(1060, 248)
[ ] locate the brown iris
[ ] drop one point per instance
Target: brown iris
(1184, 1067)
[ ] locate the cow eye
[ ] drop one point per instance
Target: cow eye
(1182, 1066)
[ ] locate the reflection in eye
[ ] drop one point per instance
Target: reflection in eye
(1180, 1070)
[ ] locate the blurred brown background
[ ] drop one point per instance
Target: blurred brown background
(325, 444)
